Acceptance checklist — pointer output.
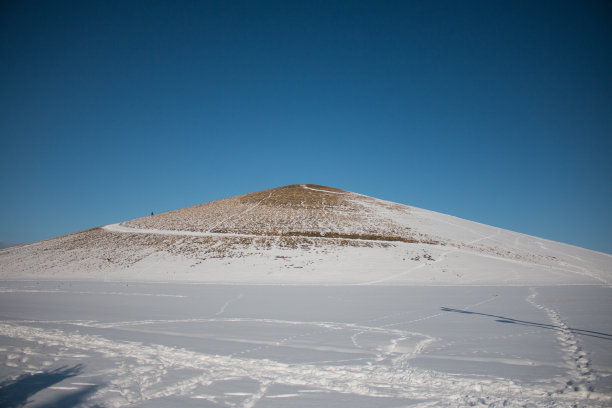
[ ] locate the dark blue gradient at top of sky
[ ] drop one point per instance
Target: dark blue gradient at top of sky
(497, 112)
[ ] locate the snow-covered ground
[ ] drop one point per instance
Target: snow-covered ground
(69, 343)
(304, 296)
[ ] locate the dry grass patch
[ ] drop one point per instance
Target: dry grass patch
(296, 196)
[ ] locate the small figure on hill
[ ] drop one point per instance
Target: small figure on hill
(151, 213)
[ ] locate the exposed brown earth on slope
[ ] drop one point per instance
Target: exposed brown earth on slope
(309, 211)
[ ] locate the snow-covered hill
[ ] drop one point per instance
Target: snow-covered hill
(388, 305)
(306, 234)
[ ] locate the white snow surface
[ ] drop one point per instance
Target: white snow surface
(304, 296)
(67, 343)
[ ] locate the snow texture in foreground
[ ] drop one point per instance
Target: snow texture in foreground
(158, 345)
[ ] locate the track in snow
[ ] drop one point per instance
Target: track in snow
(245, 346)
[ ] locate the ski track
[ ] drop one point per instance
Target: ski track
(580, 371)
(226, 304)
(422, 344)
(140, 369)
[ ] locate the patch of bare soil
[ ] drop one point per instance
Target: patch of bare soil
(297, 210)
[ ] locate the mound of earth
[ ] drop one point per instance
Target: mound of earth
(305, 233)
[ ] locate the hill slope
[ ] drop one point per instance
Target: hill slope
(306, 234)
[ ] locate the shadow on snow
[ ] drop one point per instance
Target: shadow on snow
(15, 393)
(509, 320)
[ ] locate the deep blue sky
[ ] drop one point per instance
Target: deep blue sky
(494, 111)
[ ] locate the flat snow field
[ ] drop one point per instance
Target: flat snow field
(207, 345)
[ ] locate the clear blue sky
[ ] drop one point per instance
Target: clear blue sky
(494, 111)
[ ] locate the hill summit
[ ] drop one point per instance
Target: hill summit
(299, 210)
(305, 233)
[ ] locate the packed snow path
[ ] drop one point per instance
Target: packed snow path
(138, 344)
